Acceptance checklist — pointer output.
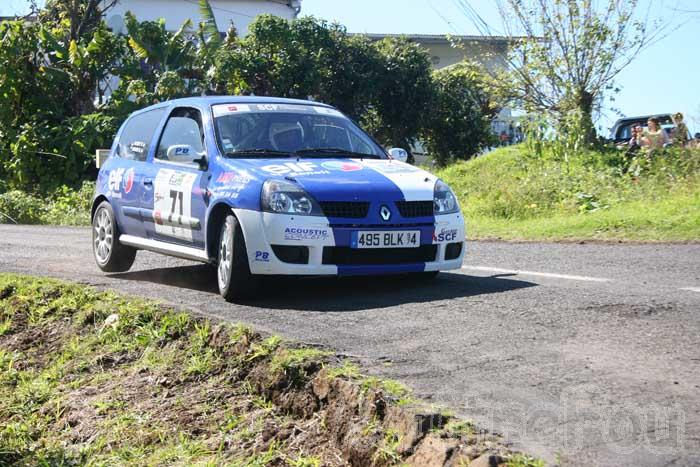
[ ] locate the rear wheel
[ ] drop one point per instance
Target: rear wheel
(110, 255)
(233, 271)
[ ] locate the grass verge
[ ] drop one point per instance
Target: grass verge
(95, 378)
(514, 195)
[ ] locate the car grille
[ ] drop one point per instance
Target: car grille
(346, 209)
(350, 256)
(415, 208)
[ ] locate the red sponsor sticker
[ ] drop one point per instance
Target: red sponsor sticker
(232, 108)
(342, 166)
(128, 180)
(226, 177)
(158, 217)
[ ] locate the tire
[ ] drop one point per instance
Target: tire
(233, 270)
(110, 255)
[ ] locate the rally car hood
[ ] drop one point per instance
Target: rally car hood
(346, 179)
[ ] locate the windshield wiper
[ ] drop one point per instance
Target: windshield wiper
(325, 152)
(257, 152)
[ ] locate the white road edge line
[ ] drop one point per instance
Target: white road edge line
(533, 273)
(691, 289)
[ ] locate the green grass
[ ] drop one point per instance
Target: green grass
(96, 378)
(512, 194)
(152, 387)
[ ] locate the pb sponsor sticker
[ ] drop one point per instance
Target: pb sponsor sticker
(297, 233)
(262, 256)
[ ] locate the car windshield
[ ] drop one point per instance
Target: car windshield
(276, 130)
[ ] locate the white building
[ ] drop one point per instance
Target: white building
(175, 12)
(487, 51)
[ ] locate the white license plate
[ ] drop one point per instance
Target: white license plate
(385, 239)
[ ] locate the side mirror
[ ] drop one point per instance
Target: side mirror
(398, 154)
(181, 153)
(185, 154)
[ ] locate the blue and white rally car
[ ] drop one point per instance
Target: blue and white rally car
(266, 186)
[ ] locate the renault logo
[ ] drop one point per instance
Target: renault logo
(385, 213)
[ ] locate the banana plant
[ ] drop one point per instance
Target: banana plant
(159, 49)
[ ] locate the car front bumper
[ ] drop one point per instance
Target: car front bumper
(329, 251)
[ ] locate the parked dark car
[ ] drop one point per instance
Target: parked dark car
(622, 130)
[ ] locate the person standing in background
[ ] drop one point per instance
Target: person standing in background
(680, 133)
(654, 137)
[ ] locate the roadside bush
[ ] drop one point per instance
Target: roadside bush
(64, 206)
(459, 123)
(21, 208)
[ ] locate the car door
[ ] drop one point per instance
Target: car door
(129, 167)
(175, 207)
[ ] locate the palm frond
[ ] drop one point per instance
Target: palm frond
(209, 21)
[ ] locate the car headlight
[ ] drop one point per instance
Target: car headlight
(444, 200)
(287, 198)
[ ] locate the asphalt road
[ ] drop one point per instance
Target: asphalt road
(588, 354)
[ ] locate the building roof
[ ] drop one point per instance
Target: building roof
(439, 38)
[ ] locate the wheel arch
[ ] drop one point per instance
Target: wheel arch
(95, 203)
(217, 215)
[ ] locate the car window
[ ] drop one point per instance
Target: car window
(182, 140)
(288, 128)
(138, 133)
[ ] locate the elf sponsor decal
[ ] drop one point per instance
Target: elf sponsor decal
(172, 210)
(445, 235)
(298, 233)
(295, 169)
(115, 182)
(342, 166)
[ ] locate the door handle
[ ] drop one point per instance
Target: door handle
(148, 182)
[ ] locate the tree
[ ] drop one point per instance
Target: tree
(459, 124)
(404, 93)
(567, 53)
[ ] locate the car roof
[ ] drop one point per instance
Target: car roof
(213, 100)
(641, 117)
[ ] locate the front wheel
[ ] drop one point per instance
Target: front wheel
(110, 255)
(233, 271)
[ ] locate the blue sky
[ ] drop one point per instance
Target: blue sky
(665, 78)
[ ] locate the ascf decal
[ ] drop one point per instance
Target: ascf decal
(342, 166)
(128, 180)
(295, 168)
(445, 235)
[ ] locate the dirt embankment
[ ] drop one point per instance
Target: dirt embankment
(92, 377)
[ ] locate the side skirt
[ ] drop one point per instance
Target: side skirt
(179, 251)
